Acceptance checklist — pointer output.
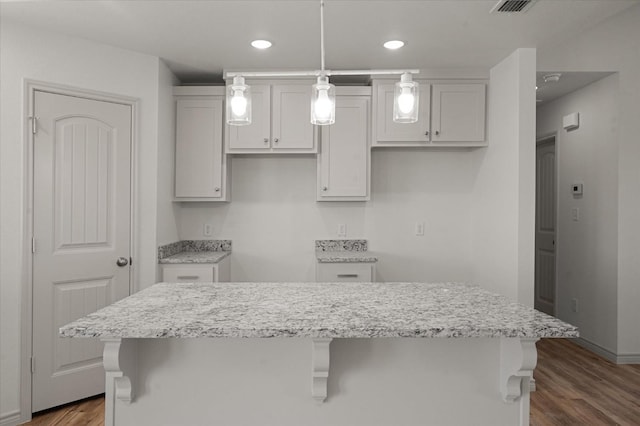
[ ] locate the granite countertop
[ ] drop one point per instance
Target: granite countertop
(196, 257)
(344, 251)
(194, 251)
(345, 256)
(316, 310)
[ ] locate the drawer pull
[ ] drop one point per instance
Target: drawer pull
(188, 277)
(347, 275)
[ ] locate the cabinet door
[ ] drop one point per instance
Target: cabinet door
(199, 160)
(291, 118)
(257, 135)
(398, 133)
(458, 113)
(343, 163)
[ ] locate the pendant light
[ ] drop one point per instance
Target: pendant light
(238, 102)
(405, 100)
(323, 93)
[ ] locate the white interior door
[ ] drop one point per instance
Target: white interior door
(82, 225)
(545, 261)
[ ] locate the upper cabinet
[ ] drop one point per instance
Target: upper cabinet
(450, 114)
(344, 160)
(458, 113)
(280, 122)
(200, 163)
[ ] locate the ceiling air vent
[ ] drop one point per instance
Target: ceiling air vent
(512, 6)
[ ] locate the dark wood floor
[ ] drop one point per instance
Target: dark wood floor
(574, 387)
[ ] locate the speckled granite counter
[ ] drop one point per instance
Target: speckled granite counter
(194, 251)
(317, 310)
(344, 251)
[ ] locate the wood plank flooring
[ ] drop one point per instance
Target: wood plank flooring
(577, 387)
(574, 387)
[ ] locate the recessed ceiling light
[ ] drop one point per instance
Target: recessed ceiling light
(394, 44)
(261, 44)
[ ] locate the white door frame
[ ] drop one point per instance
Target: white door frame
(26, 329)
(541, 140)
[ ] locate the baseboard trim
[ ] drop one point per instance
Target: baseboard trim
(607, 354)
(11, 418)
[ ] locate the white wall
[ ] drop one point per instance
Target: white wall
(28, 53)
(504, 192)
(614, 45)
(273, 218)
(167, 227)
(587, 250)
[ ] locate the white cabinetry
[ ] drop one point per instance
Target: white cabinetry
(197, 273)
(344, 161)
(450, 114)
(280, 122)
(458, 113)
(345, 272)
(200, 164)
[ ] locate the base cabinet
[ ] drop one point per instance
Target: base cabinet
(197, 273)
(345, 272)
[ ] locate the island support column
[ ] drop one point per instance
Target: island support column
(120, 362)
(518, 359)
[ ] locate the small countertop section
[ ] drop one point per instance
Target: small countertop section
(316, 310)
(194, 251)
(344, 251)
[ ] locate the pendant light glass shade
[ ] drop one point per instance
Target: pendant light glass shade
(406, 100)
(238, 102)
(323, 102)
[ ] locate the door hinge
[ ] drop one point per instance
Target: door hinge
(33, 245)
(33, 365)
(34, 124)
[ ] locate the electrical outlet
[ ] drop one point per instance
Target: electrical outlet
(574, 305)
(207, 230)
(420, 229)
(575, 214)
(342, 230)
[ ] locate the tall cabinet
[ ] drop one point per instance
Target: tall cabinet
(201, 172)
(344, 160)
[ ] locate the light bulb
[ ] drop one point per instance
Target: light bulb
(406, 101)
(323, 104)
(238, 104)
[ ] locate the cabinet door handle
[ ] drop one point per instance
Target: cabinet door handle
(347, 275)
(276, 140)
(426, 133)
(266, 140)
(324, 188)
(217, 189)
(437, 132)
(188, 277)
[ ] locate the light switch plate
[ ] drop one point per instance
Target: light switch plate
(420, 229)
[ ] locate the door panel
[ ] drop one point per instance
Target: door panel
(545, 247)
(292, 128)
(82, 224)
(253, 136)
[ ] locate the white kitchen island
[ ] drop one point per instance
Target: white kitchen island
(318, 354)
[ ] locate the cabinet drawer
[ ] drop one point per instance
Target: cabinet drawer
(187, 274)
(345, 272)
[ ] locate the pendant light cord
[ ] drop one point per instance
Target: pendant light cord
(322, 37)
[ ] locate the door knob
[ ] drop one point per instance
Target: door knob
(122, 261)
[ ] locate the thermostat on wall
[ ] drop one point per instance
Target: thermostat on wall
(576, 189)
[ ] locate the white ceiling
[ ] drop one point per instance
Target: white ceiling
(198, 39)
(569, 82)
